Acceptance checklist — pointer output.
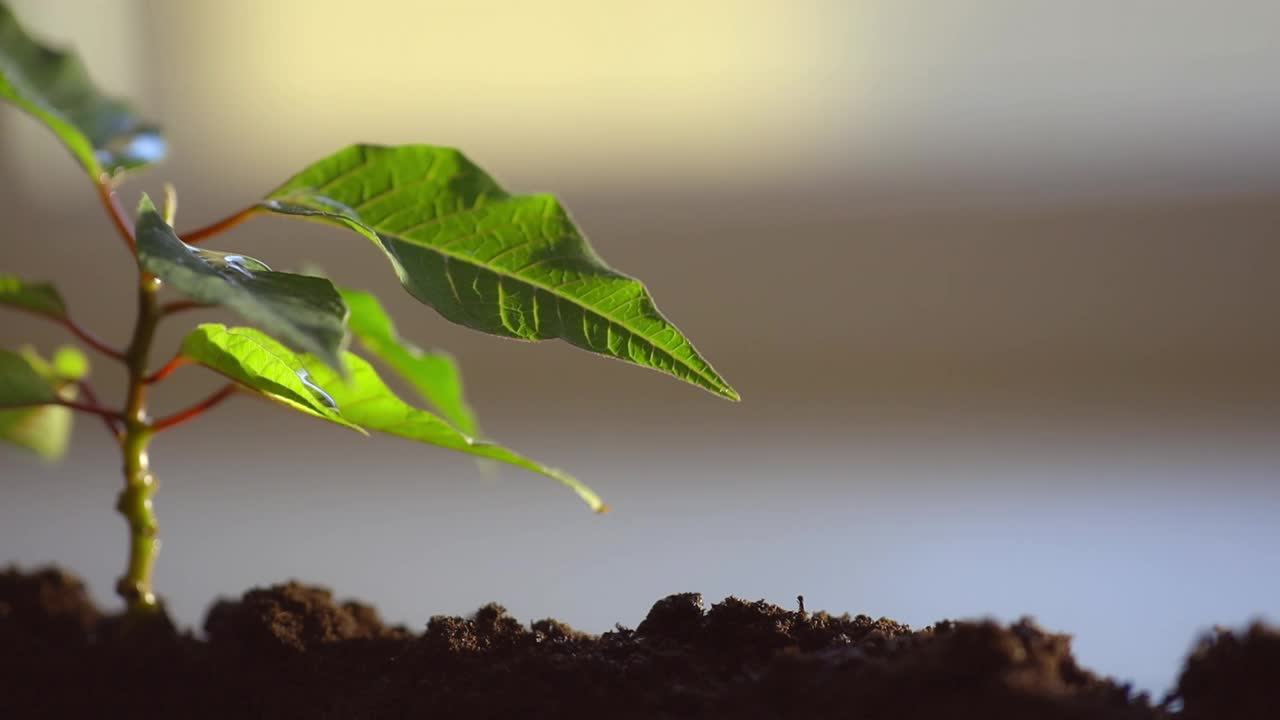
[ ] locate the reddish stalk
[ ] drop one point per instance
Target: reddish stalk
(89, 407)
(118, 216)
(114, 424)
(85, 336)
(164, 372)
(192, 237)
(92, 409)
(194, 411)
(176, 306)
(90, 339)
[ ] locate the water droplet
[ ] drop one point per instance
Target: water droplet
(240, 264)
(236, 263)
(321, 395)
(336, 206)
(143, 147)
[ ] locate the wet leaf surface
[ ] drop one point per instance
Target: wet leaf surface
(304, 312)
(262, 364)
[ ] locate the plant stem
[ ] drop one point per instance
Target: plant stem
(85, 336)
(91, 340)
(90, 407)
(194, 411)
(107, 193)
(111, 418)
(176, 306)
(191, 237)
(139, 484)
(164, 372)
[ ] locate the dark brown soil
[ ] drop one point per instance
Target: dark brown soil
(291, 651)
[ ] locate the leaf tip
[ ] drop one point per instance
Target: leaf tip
(145, 205)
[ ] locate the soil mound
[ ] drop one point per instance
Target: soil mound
(292, 651)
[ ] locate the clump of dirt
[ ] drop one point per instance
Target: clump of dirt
(47, 609)
(1231, 675)
(291, 651)
(290, 618)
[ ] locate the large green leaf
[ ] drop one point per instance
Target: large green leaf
(365, 400)
(25, 379)
(514, 266)
(102, 133)
(362, 401)
(263, 364)
(433, 374)
(305, 312)
(37, 298)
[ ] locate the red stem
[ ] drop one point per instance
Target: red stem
(196, 410)
(176, 306)
(192, 237)
(114, 425)
(92, 408)
(164, 372)
(90, 339)
(118, 216)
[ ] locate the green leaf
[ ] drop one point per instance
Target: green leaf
(514, 266)
(26, 379)
(37, 298)
(44, 430)
(305, 312)
(365, 400)
(262, 364)
(23, 380)
(102, 133)
(362, 402)
(433, 374)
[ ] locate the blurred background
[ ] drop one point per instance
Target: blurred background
(996, 280)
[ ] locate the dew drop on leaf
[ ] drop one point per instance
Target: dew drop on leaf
(320, 394)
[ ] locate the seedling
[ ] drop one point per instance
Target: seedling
(515, 266)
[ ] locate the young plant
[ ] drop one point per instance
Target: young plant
(509, 265)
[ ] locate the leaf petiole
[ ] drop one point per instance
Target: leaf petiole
(89, 407)
(107, 194)
(91, 340)
(192, 237)
(194, 411)
(174, 307)
(115, 425)
(164, 372)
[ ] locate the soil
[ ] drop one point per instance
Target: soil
(292, 651)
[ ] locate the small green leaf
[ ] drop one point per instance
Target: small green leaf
(514, 266)
(27, 380)
(433, 374)
(306, 312)
(37, 298)
(70, 364)
(365, 400)
(262, 364)
(102, 133)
